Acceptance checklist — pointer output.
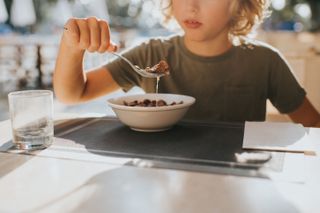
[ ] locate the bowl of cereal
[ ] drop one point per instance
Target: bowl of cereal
(151, 112)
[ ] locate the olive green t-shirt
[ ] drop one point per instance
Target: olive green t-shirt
(233, 86)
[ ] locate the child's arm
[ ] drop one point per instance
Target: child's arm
(306, 114)
(71, 83)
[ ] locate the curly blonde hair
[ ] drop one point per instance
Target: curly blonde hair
(245, 15)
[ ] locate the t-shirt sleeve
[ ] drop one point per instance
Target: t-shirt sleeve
(121, 71)
(285, 92)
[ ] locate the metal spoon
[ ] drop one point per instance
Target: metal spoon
(140, 71)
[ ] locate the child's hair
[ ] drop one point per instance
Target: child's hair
(246, 15)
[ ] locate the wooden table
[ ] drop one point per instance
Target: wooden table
(71, 179)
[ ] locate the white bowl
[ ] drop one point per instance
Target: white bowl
(151, 119)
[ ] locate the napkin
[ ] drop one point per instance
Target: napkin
(278, 136)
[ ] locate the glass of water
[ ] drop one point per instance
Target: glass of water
(31, 114)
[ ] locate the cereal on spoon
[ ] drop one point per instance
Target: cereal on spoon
(161, 68)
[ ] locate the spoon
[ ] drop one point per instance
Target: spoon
(140, 71)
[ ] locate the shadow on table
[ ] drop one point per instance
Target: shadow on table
(128, 189)
(11, 160)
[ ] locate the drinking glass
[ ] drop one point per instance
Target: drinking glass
(31, 115)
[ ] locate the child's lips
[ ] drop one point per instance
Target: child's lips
(193, 24)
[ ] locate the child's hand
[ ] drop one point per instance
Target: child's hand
(88, 34)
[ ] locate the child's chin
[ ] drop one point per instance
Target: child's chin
(196, 37)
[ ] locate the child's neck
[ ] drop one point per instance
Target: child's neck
(208, 48)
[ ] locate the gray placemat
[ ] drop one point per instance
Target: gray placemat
(188, 144)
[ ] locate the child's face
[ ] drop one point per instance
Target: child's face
(203, 20)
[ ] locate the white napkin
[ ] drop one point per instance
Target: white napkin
(276, 136)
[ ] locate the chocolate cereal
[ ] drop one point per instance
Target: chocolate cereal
(150, 103)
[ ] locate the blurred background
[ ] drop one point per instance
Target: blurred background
(30, 31)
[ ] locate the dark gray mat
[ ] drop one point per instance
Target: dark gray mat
(188, 145)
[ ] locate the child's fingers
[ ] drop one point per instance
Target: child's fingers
(84, 41)
(106, 44)
(72, 33)
(89, 34)
(105, 36)
(112, 47)
(94, 34)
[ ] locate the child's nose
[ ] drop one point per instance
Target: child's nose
(192, 5)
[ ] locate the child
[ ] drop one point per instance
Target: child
(230, 77)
